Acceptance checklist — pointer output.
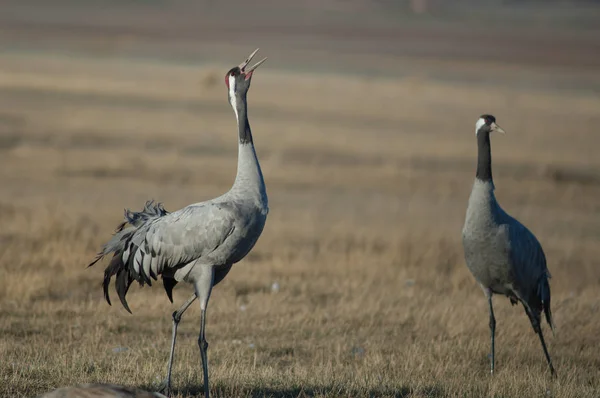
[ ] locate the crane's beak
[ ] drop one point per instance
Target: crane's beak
(243, 65)
(497, 128)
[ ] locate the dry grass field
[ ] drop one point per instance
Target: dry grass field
(357, 286)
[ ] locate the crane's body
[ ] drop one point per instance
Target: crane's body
(501, 253)
(484, 239)
(178, 246)
(199, 243)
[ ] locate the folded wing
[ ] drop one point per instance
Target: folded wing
(157, 241)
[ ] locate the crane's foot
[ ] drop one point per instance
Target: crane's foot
(165, 388)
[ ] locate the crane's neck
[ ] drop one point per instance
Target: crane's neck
(249, 180)
(484, 157)
(240, 107)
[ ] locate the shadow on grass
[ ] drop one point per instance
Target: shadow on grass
(310, 391)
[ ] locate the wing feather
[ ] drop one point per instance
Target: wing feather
(530, 268)
(160, 240)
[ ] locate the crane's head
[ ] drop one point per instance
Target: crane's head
(238, 78)
(487, 123)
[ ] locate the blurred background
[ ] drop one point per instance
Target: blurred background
(363, 119)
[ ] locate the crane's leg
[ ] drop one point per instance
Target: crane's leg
(488, 293)
(165, 386)
(204, 286)
(203, 344)
(535, 323)
(539, 332)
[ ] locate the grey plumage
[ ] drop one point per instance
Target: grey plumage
(170, 244)
(501, 253)
(123, 240)
(199, 243)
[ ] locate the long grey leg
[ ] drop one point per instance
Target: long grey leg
(203, 344)
(165, 387)
(204, 286)
(535, 323)
(539, 332)
(492, 331)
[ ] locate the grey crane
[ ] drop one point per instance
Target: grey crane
(199, 243)
(100, 391)
(501, 253)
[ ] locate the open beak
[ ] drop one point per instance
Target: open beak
(497, 128)
(243, 65)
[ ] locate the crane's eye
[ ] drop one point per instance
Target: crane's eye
(232, 74)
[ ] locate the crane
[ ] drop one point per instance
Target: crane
(199, 243)
(501, 253)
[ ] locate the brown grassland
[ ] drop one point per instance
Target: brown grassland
(368, 180)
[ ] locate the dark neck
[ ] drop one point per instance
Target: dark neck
(484, 156)
(244, 132)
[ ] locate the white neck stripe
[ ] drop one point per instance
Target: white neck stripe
(232, 99)
(479, 124)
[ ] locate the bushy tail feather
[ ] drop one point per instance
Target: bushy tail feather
(150, 211)
(112, 269)
(123, 280)
(549, 319)
(135, 219)
(169, 284)
(545, 298)
(117, 245)
(122, 284)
